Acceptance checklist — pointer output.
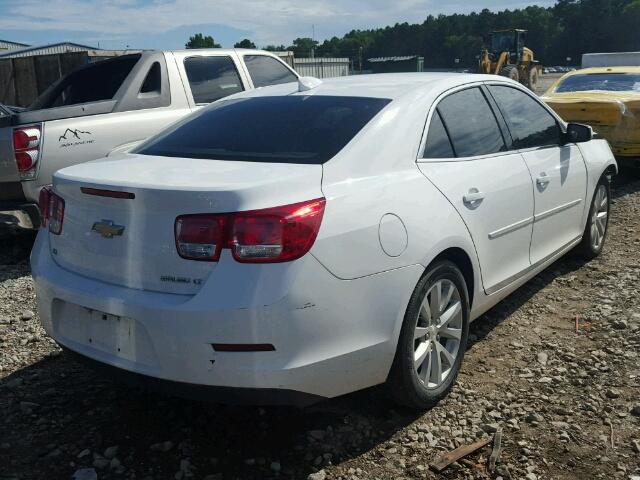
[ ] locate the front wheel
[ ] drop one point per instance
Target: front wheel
(511, 71)
(433, 338)
(595, 231)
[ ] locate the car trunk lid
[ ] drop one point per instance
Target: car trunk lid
(120, 213)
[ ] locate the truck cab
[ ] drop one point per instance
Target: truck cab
(111, 106)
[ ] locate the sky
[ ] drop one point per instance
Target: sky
(167, 24)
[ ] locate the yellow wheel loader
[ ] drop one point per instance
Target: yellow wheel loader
(506, 55)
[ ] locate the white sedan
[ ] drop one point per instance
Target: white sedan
(307, 240)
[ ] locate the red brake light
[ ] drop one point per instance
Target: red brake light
(26, 160)
(279, 234)
(26, 146)
(43, 205)
(56, 213)
(199, 237)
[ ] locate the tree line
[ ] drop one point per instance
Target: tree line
(555, 34)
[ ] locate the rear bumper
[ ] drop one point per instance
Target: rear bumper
(208, 393)
(19, 215)
(331, 336)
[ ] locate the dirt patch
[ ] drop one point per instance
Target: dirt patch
(545, 81)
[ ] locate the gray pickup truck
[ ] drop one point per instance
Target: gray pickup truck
(110, 106)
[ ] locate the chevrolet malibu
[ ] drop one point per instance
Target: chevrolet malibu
(303, 241)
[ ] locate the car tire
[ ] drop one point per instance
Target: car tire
(595, 231)
(445, 328)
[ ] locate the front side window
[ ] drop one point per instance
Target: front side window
(212, 78)
(529, 123)
(607, 82)
(277, 129)
(471, 124)
(438, 143)
(266, 71)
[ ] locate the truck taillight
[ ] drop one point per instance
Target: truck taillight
(278, 234)
(26, 147)
(51, 210)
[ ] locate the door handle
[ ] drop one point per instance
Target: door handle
(473, 197)
(543, 180)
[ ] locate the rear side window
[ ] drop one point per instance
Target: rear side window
(276, 129)
(529, 123)
(267, 71)
(471, 123)
(153, 81)
(438, 143)
(96, 82)
(212, 78)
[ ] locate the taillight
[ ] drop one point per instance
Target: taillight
(26, 147)
(276, 234)
(43, 205)
(279, 234)
(51, 210)
(56, 214)
(200, 237)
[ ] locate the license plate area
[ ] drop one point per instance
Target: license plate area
(102, 335)
(110, 333)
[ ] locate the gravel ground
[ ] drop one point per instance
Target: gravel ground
(568, 401)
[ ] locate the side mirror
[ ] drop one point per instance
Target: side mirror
(577, 133)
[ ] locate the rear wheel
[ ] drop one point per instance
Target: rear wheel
(433, 338)
(510, 71)
(595, 231)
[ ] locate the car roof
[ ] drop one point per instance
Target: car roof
(379, 85)
(592, 70)
(222, 51)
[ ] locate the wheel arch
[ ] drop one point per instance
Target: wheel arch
(462, 260)
(611, 170)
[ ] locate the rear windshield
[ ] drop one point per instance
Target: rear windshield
(612, 82)
(307, 129)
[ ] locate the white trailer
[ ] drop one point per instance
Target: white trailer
(613, 59)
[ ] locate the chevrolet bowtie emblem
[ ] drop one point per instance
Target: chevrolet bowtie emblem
(107, 229)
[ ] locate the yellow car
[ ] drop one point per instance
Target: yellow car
(607, 99)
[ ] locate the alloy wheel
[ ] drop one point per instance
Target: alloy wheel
(599, 217)
(438, 333)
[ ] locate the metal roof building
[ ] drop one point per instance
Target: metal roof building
(7, 45)
(53, 48)
(407, 63)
